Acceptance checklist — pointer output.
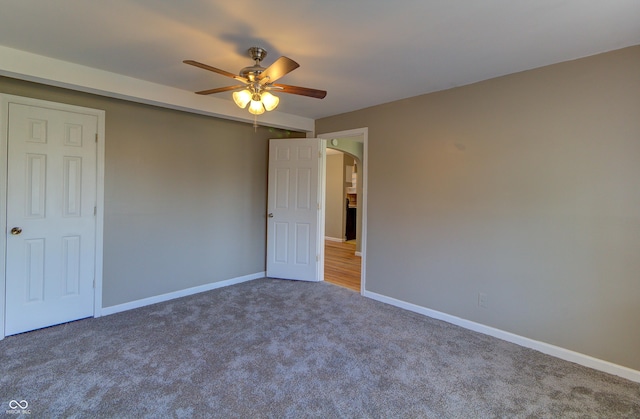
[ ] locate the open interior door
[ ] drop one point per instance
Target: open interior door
(295, 228)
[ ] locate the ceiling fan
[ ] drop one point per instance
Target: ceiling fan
(258, 82)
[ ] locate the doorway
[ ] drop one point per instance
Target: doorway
(306, 249)
(344, 255)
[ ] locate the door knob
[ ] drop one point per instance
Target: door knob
(16, 231)
(270, 215)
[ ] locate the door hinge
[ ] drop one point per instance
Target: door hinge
(94, 283)
(96, 137)
(317, 258)
(95, 210)
(319, 154)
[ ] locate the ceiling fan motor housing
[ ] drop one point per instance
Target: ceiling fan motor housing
(251, 73)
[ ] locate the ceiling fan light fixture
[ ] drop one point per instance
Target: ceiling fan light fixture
(257, 81)
(242, 98)
(270, 101)
(256, 107)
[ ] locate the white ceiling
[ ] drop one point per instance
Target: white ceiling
(363, 52)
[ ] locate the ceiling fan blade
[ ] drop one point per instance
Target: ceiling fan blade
(279, 68)
(215, 70)
(220, 89)
(303, 91)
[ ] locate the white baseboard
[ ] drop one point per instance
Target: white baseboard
(556, 351)
(180, 293)
(333, 239)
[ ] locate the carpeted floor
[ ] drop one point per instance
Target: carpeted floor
(274, 348)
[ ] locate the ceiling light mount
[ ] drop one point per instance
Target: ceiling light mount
(257, 54)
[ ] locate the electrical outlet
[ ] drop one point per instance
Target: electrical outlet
(483, 300)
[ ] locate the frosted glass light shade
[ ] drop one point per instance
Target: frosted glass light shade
(269, 101)
(241, 98)
(256, 107)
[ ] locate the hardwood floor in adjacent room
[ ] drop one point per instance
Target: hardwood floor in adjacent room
(341, 265)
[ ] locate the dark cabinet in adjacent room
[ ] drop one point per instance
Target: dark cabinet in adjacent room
(350, 229)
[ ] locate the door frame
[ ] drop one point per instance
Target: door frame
(5, 100)
(353, 134)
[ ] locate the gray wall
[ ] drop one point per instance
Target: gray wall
(334, 204)
(185, 195)
(523, 187)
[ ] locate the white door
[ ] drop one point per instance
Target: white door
(293, 213)
(51, 223)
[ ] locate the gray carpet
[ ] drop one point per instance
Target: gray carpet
(273, 348)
